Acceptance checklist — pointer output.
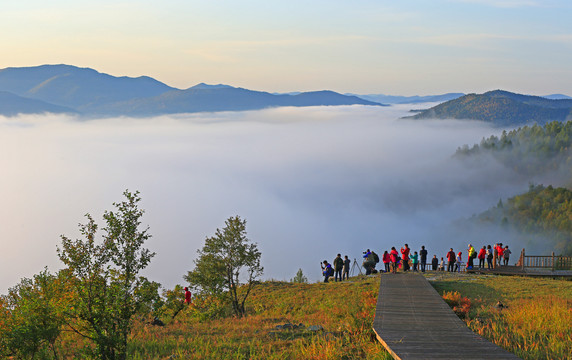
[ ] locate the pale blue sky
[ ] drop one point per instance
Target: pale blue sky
(392, 47)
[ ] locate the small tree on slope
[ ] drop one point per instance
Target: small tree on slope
(224, 258)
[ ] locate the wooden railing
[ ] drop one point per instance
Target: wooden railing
(552, 262)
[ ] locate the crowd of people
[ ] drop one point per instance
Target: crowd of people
(417, 261)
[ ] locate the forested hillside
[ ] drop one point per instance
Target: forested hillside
(544, 211)
(533, 152)
(529, 150)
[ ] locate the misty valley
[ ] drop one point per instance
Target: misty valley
(352, 176)
(308, 180)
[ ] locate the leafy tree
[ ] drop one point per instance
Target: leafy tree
(221, 262)
(32, 315)
(300, 278)
(105, 278)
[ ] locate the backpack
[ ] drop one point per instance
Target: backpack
(375, 257)
(330, 271)
(474, 255)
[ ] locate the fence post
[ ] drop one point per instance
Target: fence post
(553, 261)
(522, 260)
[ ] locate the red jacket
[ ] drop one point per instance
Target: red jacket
(451, 256)
(482, 254)
(405, 253)
(386, 258)
(393, 256)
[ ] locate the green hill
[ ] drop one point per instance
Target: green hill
(501, 108)
(542, 211)
(529, 150)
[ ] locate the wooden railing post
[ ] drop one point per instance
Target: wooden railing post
(553, 261)
(522, 259)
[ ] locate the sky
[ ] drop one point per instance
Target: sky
(364, 47)
(310, 182)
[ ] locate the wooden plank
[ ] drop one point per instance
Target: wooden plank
(413, 322)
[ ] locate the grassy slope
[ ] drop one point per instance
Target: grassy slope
(345, 311)
(536, 324)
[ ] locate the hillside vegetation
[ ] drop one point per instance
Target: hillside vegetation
(529, 150)
(284, 321)
(543, 211)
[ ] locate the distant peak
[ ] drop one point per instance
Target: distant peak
(207, 86)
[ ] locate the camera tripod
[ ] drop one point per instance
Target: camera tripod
(354, 266)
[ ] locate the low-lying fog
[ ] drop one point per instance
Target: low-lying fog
(311, 183)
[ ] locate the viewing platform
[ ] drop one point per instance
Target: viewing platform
(532, 265)
(412, 321)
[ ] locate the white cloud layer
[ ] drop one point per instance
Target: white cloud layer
(311, 183)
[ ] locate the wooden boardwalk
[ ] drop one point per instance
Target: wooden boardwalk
(413, 322)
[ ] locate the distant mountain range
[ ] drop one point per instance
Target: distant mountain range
(74, 90)
(392, 99)
(502, 108)
(69, 89)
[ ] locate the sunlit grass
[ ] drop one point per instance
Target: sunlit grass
(534, 322)
(344, 310)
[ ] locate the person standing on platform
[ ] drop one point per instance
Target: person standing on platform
(415, 260)
(434, 263)
(451, 260)
(423, 257)
(405, 257)
(386, 260)
(489, 257)
(472, 255)
(506, 255)
(458, 262)
(482, 255)
(500, 254)
(394, 257)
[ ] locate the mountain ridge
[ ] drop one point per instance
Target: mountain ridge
(502, 108)
(91, 93)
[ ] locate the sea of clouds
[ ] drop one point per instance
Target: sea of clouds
(311, 183)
